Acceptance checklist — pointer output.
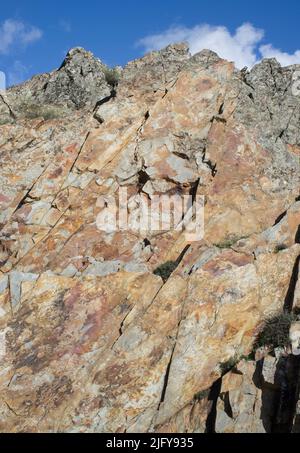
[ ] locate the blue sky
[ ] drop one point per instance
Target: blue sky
(35, 35)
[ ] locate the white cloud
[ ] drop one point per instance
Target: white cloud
(15, 32)
(284, 58)
(242, 46)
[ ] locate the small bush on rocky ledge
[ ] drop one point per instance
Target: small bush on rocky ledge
(275, 331)
(165, 270)
(5, 120)
(202, 395)
(32, 111)
(228, 365)
(231, 363)
(279, 247)
(112, 76)
(229, 242)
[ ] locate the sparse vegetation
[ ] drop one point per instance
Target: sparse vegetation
(275, 331)
(165, 270)
(279, 247)
(229, 242)
(226, 244)
(5, 120)
(32, 111)
(231, 363)
(248, 358)
(112, 76)
(202, 395)
(228, 365)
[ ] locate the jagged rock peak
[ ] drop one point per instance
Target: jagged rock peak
(79, 82)
(179, 48)
(78, 57)
(207, 55)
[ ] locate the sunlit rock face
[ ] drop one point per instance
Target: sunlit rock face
(133, 329)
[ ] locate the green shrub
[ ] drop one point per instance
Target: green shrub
(279, 247)
(275, 331)
(228, 365)
(231, 363)
(202, 395)
(112, 76)
(5, 120)
(249, 358)
(50, 114)
(229, 242)
(165, 270)
(226, 244)
(32, 111)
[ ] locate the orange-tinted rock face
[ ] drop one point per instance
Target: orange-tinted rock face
(90, 339)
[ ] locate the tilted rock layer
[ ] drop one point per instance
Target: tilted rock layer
(91, 339)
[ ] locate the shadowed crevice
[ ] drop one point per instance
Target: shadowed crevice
(213, 397)
(289, 298)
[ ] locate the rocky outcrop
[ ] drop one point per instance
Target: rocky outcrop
(79, 83)
(259, 397)
(92, 340)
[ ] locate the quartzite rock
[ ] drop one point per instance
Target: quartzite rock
(91, 340)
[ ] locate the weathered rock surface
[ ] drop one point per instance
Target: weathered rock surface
(80, 82)
(91, 340)
(259, 397)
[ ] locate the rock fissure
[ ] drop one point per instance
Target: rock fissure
(11, 113)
